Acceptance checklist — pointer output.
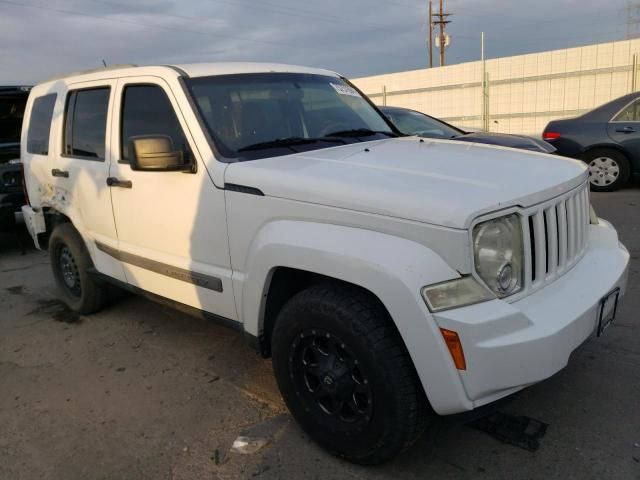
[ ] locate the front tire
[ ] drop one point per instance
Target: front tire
(608, 169)
(70, 262)
(346, 376)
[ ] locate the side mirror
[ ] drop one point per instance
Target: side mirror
(155, 153)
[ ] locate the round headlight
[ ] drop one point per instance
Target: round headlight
(498, 254)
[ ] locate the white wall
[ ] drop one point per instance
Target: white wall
(525, 91)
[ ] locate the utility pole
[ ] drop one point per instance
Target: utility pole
(430, 34)
(485, 87)
(442, 37)
(442, 25)
(634, 73)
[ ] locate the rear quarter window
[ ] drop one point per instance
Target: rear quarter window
(40, 124)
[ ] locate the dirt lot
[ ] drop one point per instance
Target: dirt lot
(141, 391)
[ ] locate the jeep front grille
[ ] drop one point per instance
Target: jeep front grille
(555, 237)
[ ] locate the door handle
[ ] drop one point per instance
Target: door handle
(626, 130)
(114, 182)
(56, 172)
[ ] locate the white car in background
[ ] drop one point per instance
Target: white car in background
(390, 278)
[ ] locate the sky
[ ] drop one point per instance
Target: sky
(44, 38)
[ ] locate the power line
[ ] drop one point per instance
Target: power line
(399, 4)
(533, 46)
(275, 8)
(147, 25)
(182, 18)
(550, 40)
(511, 27)
(298, 13)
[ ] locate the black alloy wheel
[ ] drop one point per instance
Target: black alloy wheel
(327, 372)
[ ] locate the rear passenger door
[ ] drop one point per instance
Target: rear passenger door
(81, 167)
(624, 129)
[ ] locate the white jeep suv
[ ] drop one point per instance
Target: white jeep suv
(390, 278)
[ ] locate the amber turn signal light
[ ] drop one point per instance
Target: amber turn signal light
(455, 348)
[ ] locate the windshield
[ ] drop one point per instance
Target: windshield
(262, 115)
(11, 112)
(415, 123)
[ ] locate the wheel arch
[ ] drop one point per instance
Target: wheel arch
(282, 285)
(52, 218)
(288, 255)
(377, 262)
(605, 146)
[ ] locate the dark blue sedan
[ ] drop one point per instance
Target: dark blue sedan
(607, 138)
(412, 122)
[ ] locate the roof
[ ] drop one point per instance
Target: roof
(611, 108)
(227, 68)
(192, 70)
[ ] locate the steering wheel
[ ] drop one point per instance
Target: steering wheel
(333, 127)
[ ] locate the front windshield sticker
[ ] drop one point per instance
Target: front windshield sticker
(345, 90)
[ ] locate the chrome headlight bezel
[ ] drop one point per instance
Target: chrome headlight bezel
(499, 267)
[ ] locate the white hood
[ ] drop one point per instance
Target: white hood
(439, 182)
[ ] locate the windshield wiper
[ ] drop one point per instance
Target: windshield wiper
(359, 132)
(287, 142)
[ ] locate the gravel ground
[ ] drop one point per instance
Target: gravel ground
(141, 391)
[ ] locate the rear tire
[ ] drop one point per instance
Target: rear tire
(70, 262)
(608, 169)
(346, 376)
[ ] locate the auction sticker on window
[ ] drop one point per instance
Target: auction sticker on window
(345, 90)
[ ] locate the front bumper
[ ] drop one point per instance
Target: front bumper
(509, 346)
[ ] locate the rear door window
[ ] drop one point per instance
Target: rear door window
(86, 123)
(40, 124)
(631, 113)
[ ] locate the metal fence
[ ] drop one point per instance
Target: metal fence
(523, 93)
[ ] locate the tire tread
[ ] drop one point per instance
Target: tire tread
(372, 323)
(93, 293)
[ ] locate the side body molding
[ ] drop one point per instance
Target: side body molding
(392, 268)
